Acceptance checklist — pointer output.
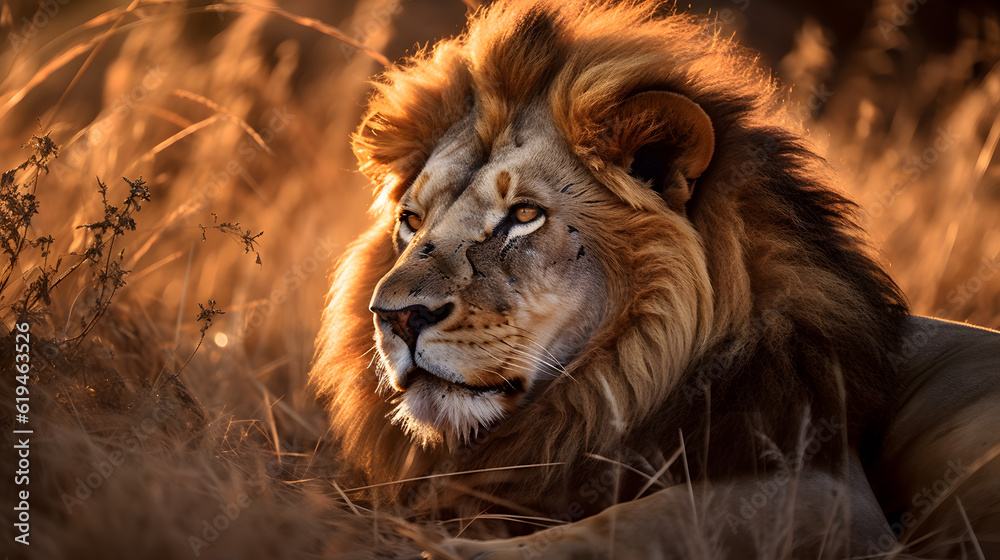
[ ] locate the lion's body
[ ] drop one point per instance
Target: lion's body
(943, 442)
(739, 320)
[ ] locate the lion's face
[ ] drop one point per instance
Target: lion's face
(494, 289)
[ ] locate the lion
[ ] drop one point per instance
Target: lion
(610, 283)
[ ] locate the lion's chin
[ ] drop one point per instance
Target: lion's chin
(433, 411)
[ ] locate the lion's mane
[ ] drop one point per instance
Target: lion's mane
(799, 320)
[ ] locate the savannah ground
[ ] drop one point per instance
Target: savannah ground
(163, 428)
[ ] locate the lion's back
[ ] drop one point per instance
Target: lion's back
(943, 442)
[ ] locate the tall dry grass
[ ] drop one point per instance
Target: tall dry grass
(240, 112)
(914, 134)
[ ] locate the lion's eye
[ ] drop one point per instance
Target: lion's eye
(525, 212)
(412, 220)
(523, 218)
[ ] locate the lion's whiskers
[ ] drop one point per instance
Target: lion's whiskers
(506, 362)
(382, 374)
(550, 369)
(498, 374)
(529, 336)
(554, 364)
(374, 356)
(527, 365)
(529, 361)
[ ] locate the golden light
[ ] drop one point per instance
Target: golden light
(221, 340)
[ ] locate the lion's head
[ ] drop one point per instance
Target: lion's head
(510, 259)
(593, 230)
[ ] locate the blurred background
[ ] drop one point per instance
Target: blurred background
(241, 112)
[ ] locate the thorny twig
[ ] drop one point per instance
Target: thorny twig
(233, 229)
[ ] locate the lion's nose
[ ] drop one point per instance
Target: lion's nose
(409, 321)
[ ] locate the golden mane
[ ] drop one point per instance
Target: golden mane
(785, 313)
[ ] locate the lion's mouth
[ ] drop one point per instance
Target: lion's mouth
(510, 387)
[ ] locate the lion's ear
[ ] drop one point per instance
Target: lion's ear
(666, 139)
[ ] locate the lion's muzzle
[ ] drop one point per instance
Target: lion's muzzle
(408, 322)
